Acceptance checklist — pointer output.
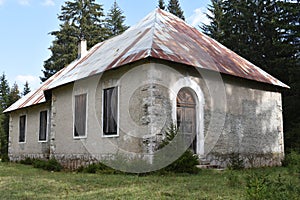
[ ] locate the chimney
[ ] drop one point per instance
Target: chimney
(82, 48)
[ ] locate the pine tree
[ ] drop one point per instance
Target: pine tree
(215, 15)
(115, 21)
(4, 92)
(161, 4)
(4, 103)
(86, 17)
(26, 89)
(81, 19)
(175, 9)
(3, 138)
(14, 94)
(63, 48)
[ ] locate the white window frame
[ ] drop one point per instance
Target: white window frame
(86, 117)
(47, 129)
(118, 112)
(25, 131)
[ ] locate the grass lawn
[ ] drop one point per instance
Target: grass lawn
(25, 182)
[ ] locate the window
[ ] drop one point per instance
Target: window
(43, 126)
(22, 128)
(80, 115)
(110, 111)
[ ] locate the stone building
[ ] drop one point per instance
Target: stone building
(123, 93)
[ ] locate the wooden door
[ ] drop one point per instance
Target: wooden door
(186, 117)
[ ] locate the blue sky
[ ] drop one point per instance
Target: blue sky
(25, 24)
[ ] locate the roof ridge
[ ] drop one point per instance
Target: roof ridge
(150, 50)
(160, 35)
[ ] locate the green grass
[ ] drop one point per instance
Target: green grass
(25, 182)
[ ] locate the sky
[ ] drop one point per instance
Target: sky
(25, 27)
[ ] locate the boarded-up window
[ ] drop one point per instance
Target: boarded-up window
(110, 111)
(22, 128)
(43, 126)
(80, 116)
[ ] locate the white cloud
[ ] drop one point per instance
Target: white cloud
(33, 81)
(2, 2)
(198, 17)
(24, 2)
(48, 3)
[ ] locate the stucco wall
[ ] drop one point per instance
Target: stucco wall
(32, 147)
(72, 151)
(233, 115)
(253, 126)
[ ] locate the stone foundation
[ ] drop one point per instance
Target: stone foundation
(249, 160)
(16, 158)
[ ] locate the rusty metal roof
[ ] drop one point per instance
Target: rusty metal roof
(159, 35)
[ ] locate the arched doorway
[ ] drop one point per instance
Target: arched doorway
(186, 116)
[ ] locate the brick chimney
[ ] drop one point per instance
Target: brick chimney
(82, 48)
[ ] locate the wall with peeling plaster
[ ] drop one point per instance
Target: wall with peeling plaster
(252, 115)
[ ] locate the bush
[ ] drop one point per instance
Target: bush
(235, 162)
(292, 162)
(291, 159)
(256, 187)
(92, 168)
(260, 187)
(53, 165)
(97, 168)
(50, 165)
(186, 163)
(4, 158)
(27, 161)
(37, 163)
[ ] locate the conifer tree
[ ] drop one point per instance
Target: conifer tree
(81, 19)
(4, 92)
(175, 9)
(7, 97)
(115, 21)
(3, 138)
(161, 4)
(63, 48)
(4, 99)
(26, 89)
(14, 94)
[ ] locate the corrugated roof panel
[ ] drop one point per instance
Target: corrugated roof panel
(159, 35)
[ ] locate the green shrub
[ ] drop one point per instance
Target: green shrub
(4, 158)
(170, 134)
(50, 165)
(53, 165)
(235, 162)
(292, 162)
(92, 168)
(260, 187)
(27, 161)
(291, 159)
(187, 162)
(256, 187)
(97, 168)
(37, 163)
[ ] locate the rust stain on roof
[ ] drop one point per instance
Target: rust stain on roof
(159, 35)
